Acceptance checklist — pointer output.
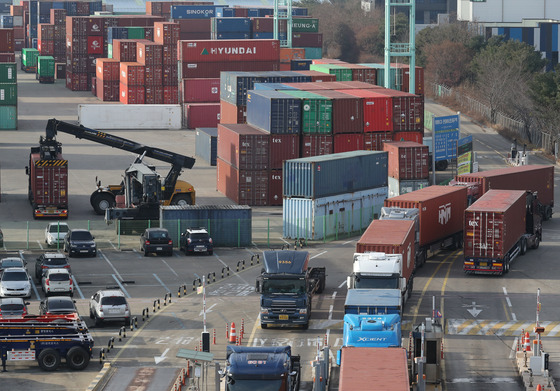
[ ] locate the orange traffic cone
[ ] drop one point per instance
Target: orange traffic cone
(539, 388)
(233, 334)
(527, 343)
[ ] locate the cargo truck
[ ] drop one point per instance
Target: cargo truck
(538, 179)
(287, 285)
(381, 331)
(499, 226)
(438, 214)
(48, 180)
(373, 302)
(45, 69)
(29, 60)
(261, 368)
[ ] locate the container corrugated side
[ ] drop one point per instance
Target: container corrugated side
(243, 146)
(8, 94)
(8, 72)
(206, 144)
(330, 217)
(408, 110)
(117, 116)
(373, 141)
(8, 117)
(275, 188)
(347, 112)
(346, 142)
(322, 176)
(245, 187)
(441, 210)
(283, 147)
(274, 111)
(407, 160)
(316, 145)
(316, 112)
(403, 186)
(494, 223)
(378, 109)
(229, 50)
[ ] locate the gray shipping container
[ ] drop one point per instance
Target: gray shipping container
(339, 173)
(206, 144)
(403, 186)
(228, 225)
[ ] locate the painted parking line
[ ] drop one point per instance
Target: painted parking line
(112, 267)
(77, 287)
(35, 289)
(120, 285)
(170, 268)
(161, 282)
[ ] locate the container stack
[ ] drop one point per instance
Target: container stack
(328, 196)
(150, 55)
(408, 166)
(107, 79)
(8, 95)
(7, 45)
(132, 78)
(17, 14)
(167, 35)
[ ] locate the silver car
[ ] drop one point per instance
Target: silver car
(15, 282)
(57, 281)
(13, 307)
(55, 233)
(109, 304)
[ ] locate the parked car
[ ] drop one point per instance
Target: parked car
(58, 305)
(196, 240)
(15, 282)
(6, 263)
(55, 233)
(80, 242)
(109, 304)
(57, 281)
(50, 261)
(13, 307)
(156, 240)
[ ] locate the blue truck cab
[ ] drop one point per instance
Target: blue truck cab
(373, 302)
(287, 285)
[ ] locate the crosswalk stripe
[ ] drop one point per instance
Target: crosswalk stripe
(496, 327)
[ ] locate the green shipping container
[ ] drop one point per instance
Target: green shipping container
(305, 25)
(8, 94)
(109, 50)
(313, 53)
(29, 57)
(8, 117)
(45, 66)
(316, 115)
(8, 72)
(136, 33)
(341, 73)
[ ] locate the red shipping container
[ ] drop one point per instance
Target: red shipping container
(45, 47)
(60, 47)
(194, 26)
(441, 210)
(390, 237)
(307, 40)
(201, 115)
(149, 53)
(76, 44)
(154, 95)
(153, 8)
(408, 110)
(289, 54)
(229, 50)
(132, 74)
(58, 16)
(7, 57)
(95, 45)
(92, 62)
(169, 55)
(77, 81)
(171, 97)
(108, 90)
(416, 137)
(284, 66)
(264, 25)
(378, 110)
(245, 187)
(77, 64)
(76, 26)
(170, 75)
(347, 142)
(201, 90)
(45, 31)
(149, 33)
(82, 9)
(16, 10)
(232, 114)
(6, 40)
(318, 76)
(418, 80)
(95, 26)
(356, 84)
(362, 73)
(347, 112)
(124, 50)
(275, 188)
(131, 95)
(243, 146)
(19, 33)
(213, 69)
(195, 36)
(153, 75)
(283, 147)
(241, 12)
(373, 141)
(407, 160)
(311, 86)
(60, 32)
(166, 33)
(316, 145)
(107, 69)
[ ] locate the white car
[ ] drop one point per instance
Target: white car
(55, 233)
(15, 282)
(109, 304)
(57, 281)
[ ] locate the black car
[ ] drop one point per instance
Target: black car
(50, 261)
(196, 240)
(58, 305)
(156, 240)
(80, 242)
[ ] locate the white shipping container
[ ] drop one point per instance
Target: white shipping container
(331, 217)
(18, 21)
(119, 116)
(397, 187)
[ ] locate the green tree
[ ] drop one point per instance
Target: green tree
(346, 40)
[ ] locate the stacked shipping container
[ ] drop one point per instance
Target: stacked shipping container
(17, 15)
(8, 95)
(408, 166)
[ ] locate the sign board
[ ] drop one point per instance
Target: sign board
(464, 155)
(446, 137)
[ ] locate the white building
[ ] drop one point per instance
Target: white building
(506, 11)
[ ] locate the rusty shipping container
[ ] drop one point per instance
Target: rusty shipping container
(494, 224)
(418, 80)
(77, 81)
(283, 147)
(414, 136)
(132, 95)
(243, 146)
(347, 142)
(232, 114)
(378, 109)
(201, 115)
(441, 210)
(407, 109)
(316, 145)
(275, 188)
(149, 53)
(201, 90)
(166, 33)
(373, 141)
(107, 90)
(245, 187)
(132, 74)
(107, 69)
(347, 112)
(124, 50)
(213, 69)
(407, 160)
(228, 50)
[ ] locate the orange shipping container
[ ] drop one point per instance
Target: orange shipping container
(407, 160)
(245, 187)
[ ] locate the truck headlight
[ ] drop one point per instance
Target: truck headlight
(303, 311)
(264, 311)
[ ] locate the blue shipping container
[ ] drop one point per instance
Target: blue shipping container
(330, 217)
(228, 12)
(228, 225)
(116, 33)
(339, 173)
(272, 87)
(274, 112)
(228, 25)
(7, 22)
(44, 19)
(71, 8)
(231, 35)
(300, 65)
(206, 144)
(313, 53)
(45, 7)
(193, 11)
(58, 5)
(95, 6)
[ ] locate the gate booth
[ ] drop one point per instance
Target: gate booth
(432, 350)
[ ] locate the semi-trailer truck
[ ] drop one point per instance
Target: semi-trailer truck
(380, 331)
(373, 302)
(499, 226)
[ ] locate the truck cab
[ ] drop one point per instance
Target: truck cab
(382, 331)
(376, 271)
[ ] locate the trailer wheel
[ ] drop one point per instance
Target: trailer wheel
(523, 246)
(77, 358)
(506, 265)
(182, 200)
(537, 242)
(49, 359)
(101, 202)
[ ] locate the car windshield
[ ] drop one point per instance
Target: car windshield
(113, 300)
(58, 228)
(5, 263)
(55, 261)
(200, 236)
(59, 277)
(81, 236)
(11, 307)
(158, 234)
(14, 276)
(283, 286)
(61, 305)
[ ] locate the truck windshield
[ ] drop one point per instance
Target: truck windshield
(365, 282)
(254, 385)
(283, 286)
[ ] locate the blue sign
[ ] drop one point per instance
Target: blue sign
(446, 137)
(465, 140)
(446, 123)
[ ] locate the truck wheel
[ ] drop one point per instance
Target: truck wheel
(506, 264)
(101, 202)
(182, 200)
(537, 242)
(49, 359)
(523, 246)
(77, 358)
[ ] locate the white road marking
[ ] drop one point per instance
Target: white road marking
(330, 312)
(35, 289)
(166, 264)
(161, 282)
(508, 302)
(209, 309)
(513, 348)
(40, 245)
(315, 256)
(342, 284)
(77, 287)
(350, 241)
(333, 295)
(120, 285)
(110, 264)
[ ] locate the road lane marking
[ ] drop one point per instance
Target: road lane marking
(161, 282)
(342, 284)
(508, 301)
(110, 264)
(120, 285)
(35, 289)
(317, 255)
(77, 287)
(498, 327)
(166, 264)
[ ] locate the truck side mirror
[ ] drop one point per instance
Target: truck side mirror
(349, 282)
(403, 281)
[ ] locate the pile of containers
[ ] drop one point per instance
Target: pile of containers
(16, 18)
(329, 196)
(7, 45)
(52, 37)
(408, 166)
(8, 95)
